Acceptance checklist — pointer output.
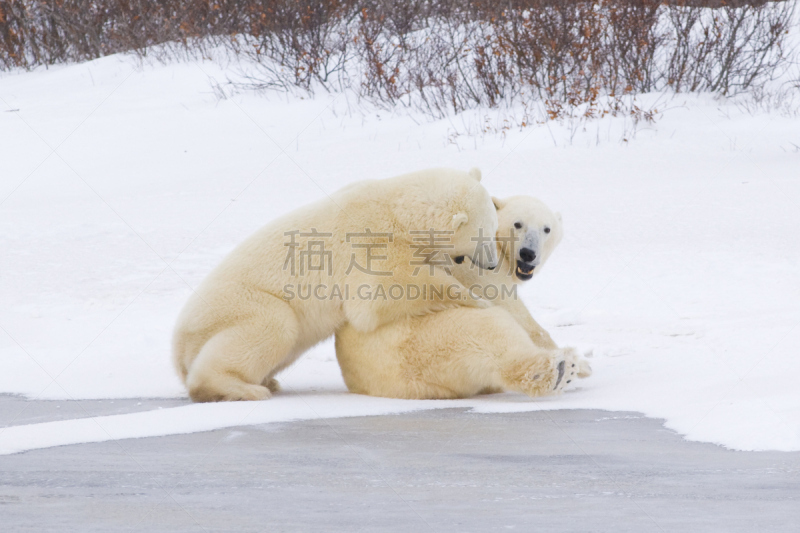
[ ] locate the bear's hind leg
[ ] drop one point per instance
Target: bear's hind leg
(227, 388)
(545, 371)
(570, 366)
(234, 363)
(272, 384)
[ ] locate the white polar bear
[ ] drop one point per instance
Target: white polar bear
(255, 313)
(461, 352)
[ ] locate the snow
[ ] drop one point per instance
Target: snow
(123, 185)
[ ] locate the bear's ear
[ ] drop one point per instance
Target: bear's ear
(558, 216)
(459, 219)
(475, 173)
(498, 203)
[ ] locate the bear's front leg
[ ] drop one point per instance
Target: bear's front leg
(537, 333)
(376, 301)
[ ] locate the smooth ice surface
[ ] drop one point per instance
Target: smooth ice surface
(122, 186)
(444, 470)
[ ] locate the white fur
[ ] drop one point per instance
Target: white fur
(239, 329)
(461, 352)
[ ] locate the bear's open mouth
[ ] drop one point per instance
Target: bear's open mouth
(524, 270)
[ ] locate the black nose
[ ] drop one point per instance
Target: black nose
(527, 255)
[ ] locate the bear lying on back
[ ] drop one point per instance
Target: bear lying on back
(250, 319)
(461, 352)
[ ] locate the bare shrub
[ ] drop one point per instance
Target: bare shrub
(585, 57)
(297, 43)
(728, 49)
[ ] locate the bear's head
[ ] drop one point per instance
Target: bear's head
(447, 210)
(475, 225)
(528, 233)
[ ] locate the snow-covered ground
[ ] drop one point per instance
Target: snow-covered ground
(122, 186)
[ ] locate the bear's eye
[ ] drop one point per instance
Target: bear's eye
(546, 229)
(518, 225)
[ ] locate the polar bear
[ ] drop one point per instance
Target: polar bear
(462, 352)
(255, 313)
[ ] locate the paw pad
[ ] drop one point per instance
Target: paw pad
(561, 366)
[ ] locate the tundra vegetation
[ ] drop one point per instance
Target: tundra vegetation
(440, 57)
